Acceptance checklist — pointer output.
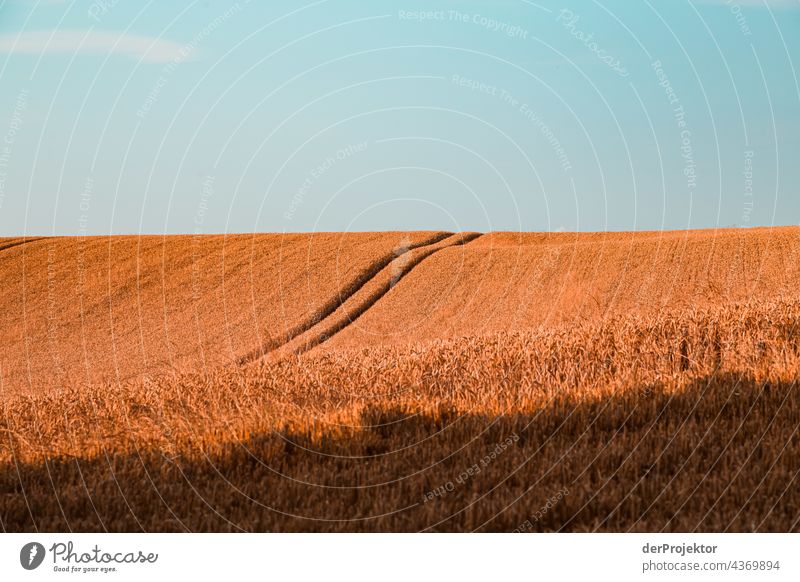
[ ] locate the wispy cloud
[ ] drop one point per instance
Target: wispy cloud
(91, 42)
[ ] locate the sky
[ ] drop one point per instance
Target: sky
(126, 117)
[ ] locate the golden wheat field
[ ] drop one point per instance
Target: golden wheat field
(423, 381)
(97, 309)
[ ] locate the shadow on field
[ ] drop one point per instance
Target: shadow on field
(722, 454)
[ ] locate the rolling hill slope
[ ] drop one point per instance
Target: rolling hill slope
(79, 311)
(504, 282)
(114, 308)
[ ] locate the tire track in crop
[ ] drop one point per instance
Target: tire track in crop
(368, 295)
(341, 298)
(17, 242)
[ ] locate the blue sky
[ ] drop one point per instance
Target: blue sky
(181, 117)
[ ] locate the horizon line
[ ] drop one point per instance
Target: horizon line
(390, 230)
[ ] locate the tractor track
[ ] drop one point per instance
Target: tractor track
(336, 302)
(16, 242)
(366, 296)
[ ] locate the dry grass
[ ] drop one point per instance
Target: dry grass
(676, 419)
